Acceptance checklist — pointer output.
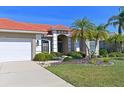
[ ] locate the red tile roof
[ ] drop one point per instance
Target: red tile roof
(13, 25)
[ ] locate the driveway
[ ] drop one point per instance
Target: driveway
(28, 74)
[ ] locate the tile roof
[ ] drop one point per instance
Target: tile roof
(14, 25)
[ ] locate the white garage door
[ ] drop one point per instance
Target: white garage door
(15, 49)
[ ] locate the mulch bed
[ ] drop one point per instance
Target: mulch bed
(85, 61)
(70, 62)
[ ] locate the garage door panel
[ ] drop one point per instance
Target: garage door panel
(15, 49)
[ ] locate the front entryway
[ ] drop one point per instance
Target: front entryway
(63, 44)
(15, 49)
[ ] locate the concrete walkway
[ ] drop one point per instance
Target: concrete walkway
(28, 74)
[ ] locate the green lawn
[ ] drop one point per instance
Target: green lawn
(91, 75)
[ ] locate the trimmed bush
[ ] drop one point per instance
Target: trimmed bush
(43, 57)
(39, 57)
(75, 55)
(48, 56)
(56, 54)
(103, 52)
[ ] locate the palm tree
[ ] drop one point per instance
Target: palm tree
(117, 38)
(80, 30)
(113, 39)
(100, 34)
(117, 21)
(121, 8)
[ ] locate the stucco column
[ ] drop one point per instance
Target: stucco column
(55, 42)
(88, 45)
(97, 49)
(77, 46)
(39, 41)
(49, 46)
(69, 44)
(33, 48)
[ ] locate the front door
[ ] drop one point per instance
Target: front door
(63, 44)
(60, 46)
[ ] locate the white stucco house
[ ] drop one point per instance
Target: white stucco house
(20, 41)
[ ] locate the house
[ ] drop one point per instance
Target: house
(21, 41)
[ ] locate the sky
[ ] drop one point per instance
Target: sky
(65, 15)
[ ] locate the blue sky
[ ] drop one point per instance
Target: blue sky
(65, 15)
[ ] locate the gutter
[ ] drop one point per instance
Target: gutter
(22, 31)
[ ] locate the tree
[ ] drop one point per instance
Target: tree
(100, 34)
(116, 39)
(117, 21)
(80, 30)
(121, 8)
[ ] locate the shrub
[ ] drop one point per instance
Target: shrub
(48, 56)
(113, 54)
(103, 52)
(75, 55)
(119, 54)
(69, 58)
(118, 58)
(116, 54)
(56, 54)
(43, 57)
(39, 57)
(106, 60)
(81, 53)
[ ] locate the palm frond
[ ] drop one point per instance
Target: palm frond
(80, 27)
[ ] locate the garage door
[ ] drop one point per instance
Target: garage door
(15, 49)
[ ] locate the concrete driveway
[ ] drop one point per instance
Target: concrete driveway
(28, 74)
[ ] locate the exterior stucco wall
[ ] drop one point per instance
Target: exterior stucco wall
(17, 35)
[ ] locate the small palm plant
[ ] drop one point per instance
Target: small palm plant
(83, 30)
(101, 33)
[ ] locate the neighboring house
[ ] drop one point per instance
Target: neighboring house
(21, 41)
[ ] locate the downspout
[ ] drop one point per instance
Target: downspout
(49, 46)
(41, 46)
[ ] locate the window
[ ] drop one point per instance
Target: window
(37, 42)
(92, 46)
(62, 32)
(45, 46)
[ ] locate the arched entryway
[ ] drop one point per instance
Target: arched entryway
(63, 44)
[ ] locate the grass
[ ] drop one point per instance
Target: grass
(81, 75)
